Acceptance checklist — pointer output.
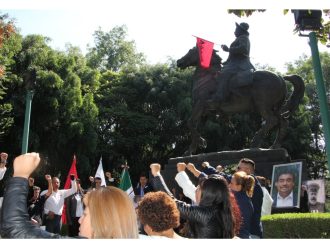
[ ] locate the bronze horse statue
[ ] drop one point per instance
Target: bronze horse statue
(266, 94)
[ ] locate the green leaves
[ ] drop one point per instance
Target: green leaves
(112, 51)
(244, 12)
(306, 139)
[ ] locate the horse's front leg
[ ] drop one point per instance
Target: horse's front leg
(270, 121)
(193, 125)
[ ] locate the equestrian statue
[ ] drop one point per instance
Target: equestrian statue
(235, 86)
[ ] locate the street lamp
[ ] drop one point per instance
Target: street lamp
(310, 20)
(29, 81)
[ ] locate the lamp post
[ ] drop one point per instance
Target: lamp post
(28, 104)
(29, 79)
(310, 20)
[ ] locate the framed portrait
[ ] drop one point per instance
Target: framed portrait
(316, 195)
(286, 184)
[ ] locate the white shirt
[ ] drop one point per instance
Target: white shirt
(2, 172)
(80, 207)
(284, 202)
(187, 186)
(267, 202)
(55, 201)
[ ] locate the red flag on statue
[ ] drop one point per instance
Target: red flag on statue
(205, 48)
(73, 170)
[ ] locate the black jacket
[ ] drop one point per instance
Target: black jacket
(202, 221)
(36, 208)
(148, 188)
(71, 207)
(4, 180)
(15, 221)
(257, 199)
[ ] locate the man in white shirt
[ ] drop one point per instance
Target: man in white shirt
(285, 196)
(54, 205)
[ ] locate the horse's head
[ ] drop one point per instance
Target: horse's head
(192, 59)
(189, 59)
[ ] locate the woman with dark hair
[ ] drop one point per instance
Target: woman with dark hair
(213, 217)
(242, 186)
(190, 190)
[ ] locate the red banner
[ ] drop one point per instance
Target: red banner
(205, 48)
(73, 170)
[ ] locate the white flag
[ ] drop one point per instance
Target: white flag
(100, 173)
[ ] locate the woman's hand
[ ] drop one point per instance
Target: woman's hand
(25, 164)
(155, 169)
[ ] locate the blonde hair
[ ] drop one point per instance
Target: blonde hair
(246, 181)
(112, 214)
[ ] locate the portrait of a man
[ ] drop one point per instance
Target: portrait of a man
(286, 182)
(316, 195)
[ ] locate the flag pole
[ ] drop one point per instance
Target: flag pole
(207, 40)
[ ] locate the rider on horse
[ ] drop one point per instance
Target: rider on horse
(238, 68)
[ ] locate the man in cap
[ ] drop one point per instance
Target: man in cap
(238, 62)
(313, 203)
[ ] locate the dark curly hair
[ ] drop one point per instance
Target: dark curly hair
(159, 211)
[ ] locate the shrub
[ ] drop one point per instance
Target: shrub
(296, 225)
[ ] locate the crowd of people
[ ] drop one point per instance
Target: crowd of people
(221, 205)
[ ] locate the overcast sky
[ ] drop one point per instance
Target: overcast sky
(163, 29)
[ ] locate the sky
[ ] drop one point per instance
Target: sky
(163, 29)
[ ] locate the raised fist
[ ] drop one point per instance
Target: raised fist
(181, 166)
(48, 177)
(205, 164)
(191, 167)
(155, 169)
(4, 156)
(225, 48)
(25, 164)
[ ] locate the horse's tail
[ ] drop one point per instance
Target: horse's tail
(297, 95)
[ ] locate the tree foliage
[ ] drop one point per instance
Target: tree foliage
(9, 46)
(143, 115)
(315, 153)
(112, 51)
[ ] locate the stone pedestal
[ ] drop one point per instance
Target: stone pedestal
(263, 158)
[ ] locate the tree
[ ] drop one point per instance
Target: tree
(316, 152)
(112, 51)
(9, 45)
(143, 115)
(63, 117)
